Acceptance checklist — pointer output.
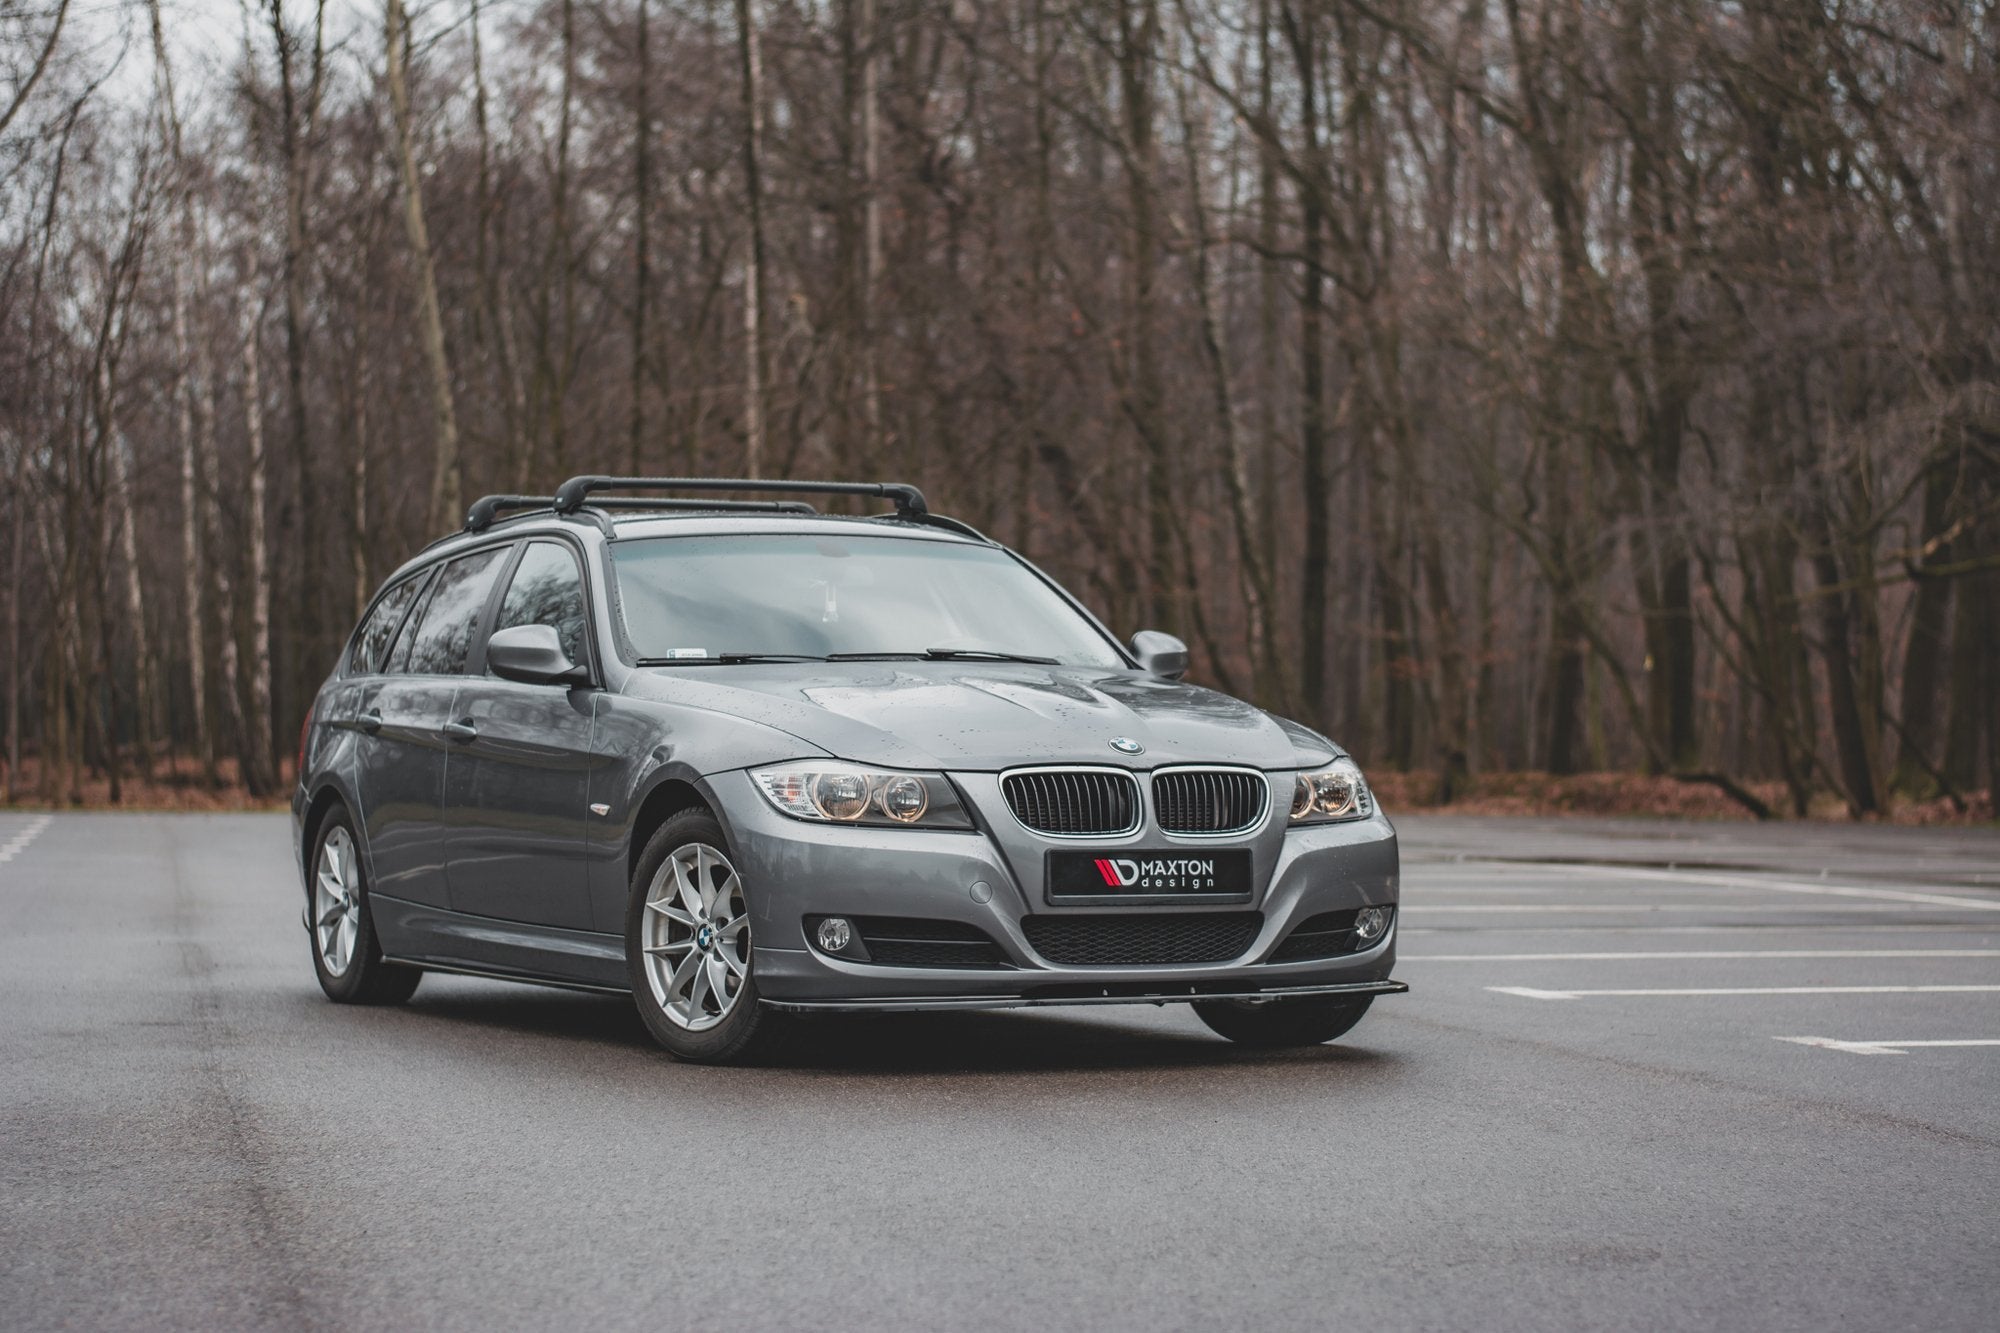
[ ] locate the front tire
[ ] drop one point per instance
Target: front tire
(346, 955)
(1305, 1021)
(688, 952)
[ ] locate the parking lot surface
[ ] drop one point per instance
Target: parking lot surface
(1648, 1075)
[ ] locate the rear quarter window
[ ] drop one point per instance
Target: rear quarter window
(378, 631)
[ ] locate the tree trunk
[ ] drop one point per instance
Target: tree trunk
(642, 231)
(298, 526)
(1317, 545)
(18, 521)
(1924, 655)
(560, 362)
(1166, 584)
(229, 687)
(1256, 579)
(258, 742)
(1971, 687)
(191, 553)
(751, 62)
(144, 661)
(357, 483)
(871, 234)
(446, 484)
(1847, 704)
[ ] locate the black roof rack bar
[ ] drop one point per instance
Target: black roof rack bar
(489, 507)
(571, 495)
(488, 510)
(683, 504)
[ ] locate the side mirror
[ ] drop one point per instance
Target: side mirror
(533, 655)
(1160, 654)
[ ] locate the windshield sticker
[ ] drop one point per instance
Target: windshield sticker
(685, 652)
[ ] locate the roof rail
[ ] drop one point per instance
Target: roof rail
(948, 524)
(570, 496)
(488, 510)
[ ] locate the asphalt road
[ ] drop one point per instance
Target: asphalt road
(1547, 1132)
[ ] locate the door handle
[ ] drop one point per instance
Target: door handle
(460, 731)
(370, 722)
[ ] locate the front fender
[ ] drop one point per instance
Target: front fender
(642, 746)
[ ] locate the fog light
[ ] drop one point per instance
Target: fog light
(1369, 923)
(835, 934)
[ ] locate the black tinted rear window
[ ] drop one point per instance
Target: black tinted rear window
(371, 645)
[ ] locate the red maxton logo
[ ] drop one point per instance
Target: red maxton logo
(1174, 874)
(1118, 874)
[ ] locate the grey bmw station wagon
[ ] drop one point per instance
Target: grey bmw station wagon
(744, 760)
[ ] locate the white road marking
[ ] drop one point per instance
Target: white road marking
(1784, 886)
(1884, 1047)
(1629, 908)
(1693, 953)
(14, 845)
(1533, 993)
(1734, 932)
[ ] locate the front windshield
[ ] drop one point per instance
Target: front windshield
(811, 595)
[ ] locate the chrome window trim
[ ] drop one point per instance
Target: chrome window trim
(1139, 800)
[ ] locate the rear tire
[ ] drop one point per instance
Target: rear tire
(688, 953)
(341, 926)
(1306, 1021)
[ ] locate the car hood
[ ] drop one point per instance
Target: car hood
(988, 716)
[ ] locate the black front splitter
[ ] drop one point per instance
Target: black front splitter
(1144, 994)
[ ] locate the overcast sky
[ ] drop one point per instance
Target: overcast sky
(205, 37)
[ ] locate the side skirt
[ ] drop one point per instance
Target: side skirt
(494, 974)
(425, 936)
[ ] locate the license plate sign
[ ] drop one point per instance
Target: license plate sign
(1176, 872)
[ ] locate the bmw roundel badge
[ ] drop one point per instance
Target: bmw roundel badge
(1126, 745)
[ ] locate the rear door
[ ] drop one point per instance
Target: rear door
(381, 749)
(517, 789)
(403, 780)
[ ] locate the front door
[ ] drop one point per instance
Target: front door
(517, 786)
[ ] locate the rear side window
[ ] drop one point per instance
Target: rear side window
(443, 639)
(547, 590)
(371, 645)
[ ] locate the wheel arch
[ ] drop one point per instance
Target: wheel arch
(668, 797)
(328, 795)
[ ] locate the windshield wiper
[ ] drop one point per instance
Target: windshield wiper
(942, 655)
(984, 655)
(729, 659)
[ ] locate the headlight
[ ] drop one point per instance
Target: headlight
(837, 793)
(1331, 794)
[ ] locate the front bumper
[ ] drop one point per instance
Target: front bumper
(992, 880)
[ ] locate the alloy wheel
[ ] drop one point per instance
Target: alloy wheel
(696, 937)
(337, 902)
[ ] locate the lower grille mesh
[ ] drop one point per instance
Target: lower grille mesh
(1152, 939)
(910, 941)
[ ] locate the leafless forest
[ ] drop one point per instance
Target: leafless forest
(1494, 384)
